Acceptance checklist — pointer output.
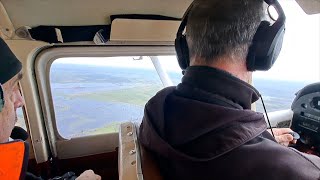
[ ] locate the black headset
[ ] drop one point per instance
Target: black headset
(265, 47)
(1, 98)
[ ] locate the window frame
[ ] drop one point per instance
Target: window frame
(66, 148)
(24, 112)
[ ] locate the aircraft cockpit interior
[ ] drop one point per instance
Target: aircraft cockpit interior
(90, 67)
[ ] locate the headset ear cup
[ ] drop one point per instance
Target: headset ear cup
(182, 50)
(257, 48)
(251, 59)
(278, 44)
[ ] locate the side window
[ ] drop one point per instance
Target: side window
(298, 63)
(94, 95)
(21, 120)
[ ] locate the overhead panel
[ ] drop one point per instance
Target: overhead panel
(143, 30)
(310, 6)
(6, 27)
(86, 12)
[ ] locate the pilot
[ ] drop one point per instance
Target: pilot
(204, 128)
(13, 159)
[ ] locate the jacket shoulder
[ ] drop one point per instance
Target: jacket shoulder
(282, 162)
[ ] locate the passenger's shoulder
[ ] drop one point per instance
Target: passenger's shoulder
(299, 165)
(281, 159)
(160, 96)
(312, 159)
(167, 90)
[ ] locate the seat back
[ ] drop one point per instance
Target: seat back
(128, 156)
(135, 162)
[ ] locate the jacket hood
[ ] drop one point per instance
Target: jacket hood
(179, 125)
(187, 137)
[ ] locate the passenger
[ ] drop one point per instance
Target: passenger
(204, 127)
(10, 74)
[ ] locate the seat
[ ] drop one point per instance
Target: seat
(135, 162)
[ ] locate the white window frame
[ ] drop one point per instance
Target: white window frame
(69, 148)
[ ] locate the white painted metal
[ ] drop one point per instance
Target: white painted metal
(165, 79)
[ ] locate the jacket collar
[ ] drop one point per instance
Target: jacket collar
(222, 83)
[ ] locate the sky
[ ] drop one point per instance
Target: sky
(299, 59)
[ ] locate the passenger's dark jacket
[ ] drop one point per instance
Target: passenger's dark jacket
(204, 129)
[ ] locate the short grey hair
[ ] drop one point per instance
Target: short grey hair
(218, 28)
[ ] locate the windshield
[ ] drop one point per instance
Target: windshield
(298, 62)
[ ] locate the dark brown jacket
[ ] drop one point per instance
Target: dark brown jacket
(204, 129)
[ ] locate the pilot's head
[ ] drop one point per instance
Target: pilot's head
(219, 33)
(10, 74)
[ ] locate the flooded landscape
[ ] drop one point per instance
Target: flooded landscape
(92, 100)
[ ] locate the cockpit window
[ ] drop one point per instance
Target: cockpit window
(21, 119)
(94, 95)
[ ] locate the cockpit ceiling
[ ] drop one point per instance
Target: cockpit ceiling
(85, 12)
(310, 6)
(93, 12)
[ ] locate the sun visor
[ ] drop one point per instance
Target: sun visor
(66, 34)
(143, 30)
(310, 6)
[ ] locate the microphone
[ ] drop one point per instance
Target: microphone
(19, 133)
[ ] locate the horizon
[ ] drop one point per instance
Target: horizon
(169, 63)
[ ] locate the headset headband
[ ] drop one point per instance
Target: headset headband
(184, 21)
(265, 47)
(282, 17)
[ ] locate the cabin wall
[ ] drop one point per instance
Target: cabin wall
(6, 26)
(25, 51)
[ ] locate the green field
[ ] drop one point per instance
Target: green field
(111, 128)
(135, 96)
